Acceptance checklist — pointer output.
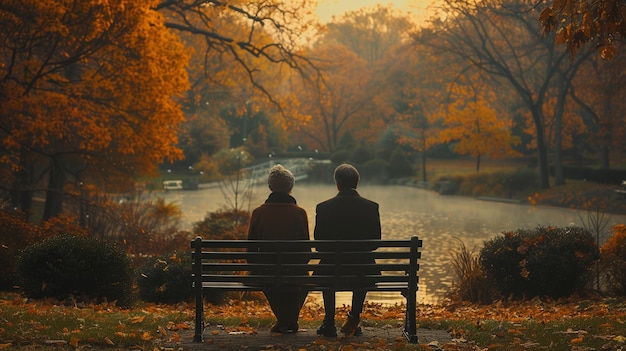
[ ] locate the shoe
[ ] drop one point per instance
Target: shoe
(351, 326)
(277, 328)
(327, 329)
(291, 328)
(282, 329)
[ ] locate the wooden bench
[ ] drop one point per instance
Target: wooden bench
(621, 192)
(226, 265)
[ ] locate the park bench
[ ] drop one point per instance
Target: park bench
(621, 192)
(233, 265)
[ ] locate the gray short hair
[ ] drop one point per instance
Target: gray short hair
(280, 180)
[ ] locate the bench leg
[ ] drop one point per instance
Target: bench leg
(197, 286)
(197, 335)
(410, 324)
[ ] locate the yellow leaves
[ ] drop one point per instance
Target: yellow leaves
(620, 338)
(137, 319)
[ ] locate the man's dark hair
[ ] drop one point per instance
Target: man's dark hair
(346, 176)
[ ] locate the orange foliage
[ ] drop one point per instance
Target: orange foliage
(91, 93)
(613, 256)
(577, 23)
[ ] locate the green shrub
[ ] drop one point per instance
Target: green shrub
(360, 155)
(340, 157)
(76, 266)
(166, 279)
(399, 164)
(374, 171)
(613, 261)
(545, 261)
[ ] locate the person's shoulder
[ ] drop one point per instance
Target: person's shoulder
(300, 209)
(369, 203)
(326, 202)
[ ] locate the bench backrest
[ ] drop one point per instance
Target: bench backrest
(318, 264)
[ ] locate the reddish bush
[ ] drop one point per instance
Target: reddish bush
(613, 261)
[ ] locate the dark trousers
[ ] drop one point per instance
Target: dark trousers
(286, 304)
(358, 298)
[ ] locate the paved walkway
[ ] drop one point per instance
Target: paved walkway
(217, 338)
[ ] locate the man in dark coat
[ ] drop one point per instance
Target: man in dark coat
(347, 216)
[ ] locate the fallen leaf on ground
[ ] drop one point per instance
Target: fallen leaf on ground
(577, 340)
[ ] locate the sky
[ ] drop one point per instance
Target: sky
(327, 8)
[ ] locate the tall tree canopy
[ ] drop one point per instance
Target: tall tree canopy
(91, 91)
(502, 39)
(87, 91)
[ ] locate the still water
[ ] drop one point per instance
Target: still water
(442, 222)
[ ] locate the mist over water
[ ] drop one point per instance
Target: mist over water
(442, 222)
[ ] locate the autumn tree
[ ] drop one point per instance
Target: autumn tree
(474, 124)
(371, 33)
(241, 53)
(501, 39)
(348, 55)
(331, 105)
(88, 92)
(238, 39)
(409, 99)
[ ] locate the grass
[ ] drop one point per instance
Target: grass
(24, 322)
(576, 324)
(436, 168)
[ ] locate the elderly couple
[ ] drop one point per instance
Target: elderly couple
(344, 217)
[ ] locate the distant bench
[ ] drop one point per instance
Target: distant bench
(226, 265)
(621, 193)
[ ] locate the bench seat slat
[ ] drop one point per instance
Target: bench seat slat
(314, 255)
(238, 286)
(248, 267)
(291, 244)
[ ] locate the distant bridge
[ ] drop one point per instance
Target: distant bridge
(300, 168)
(257, 174)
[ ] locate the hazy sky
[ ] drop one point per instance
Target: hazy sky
(327, 8)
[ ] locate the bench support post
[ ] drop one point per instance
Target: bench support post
(410, 324)
(197, 271)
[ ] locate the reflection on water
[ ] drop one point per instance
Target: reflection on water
(442, 222)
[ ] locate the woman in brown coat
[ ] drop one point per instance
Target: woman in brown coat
(280, 218)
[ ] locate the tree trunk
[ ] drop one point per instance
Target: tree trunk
(542, 150)
(604, 157)
(477, 163)
(424, 155)
(606, 141)
(54, 193)
(21, 193)
(559, 176)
